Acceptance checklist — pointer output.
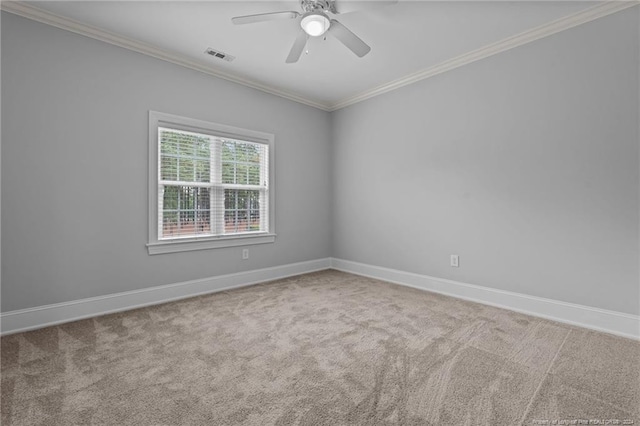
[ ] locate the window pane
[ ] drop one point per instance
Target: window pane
(241, 162)
(228, 151)
(170, 198)
(228, 172)
(254, 200)
(254, 220)
(242, 210)
(186, 211)
(241, 151)
(185, 169)
(242, 222)
(254, 175)
(168, 142)
(202, 170)
(203, 224)
(242, 199)
(253, 153)
(184, 156)
(203, 148)
(169, 168)
(169, 224)
(229, 221)
(241, 174)
(185, 144)
(230, 199)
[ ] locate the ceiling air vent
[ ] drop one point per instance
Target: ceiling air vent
(219, 55)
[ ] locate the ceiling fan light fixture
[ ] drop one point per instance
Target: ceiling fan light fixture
(315, 23)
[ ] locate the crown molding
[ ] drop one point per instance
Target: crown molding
(601, 10)
(36, 14)
(554, 27)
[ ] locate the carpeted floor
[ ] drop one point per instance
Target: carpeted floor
(326, 348)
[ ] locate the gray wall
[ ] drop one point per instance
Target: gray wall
(74, 167)
(525, 164)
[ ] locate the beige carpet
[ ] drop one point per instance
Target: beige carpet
(327, 348)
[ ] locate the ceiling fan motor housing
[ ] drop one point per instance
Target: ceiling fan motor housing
(316, 5)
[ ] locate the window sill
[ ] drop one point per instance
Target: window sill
(174, 246)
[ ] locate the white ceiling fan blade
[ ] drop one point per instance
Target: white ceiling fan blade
(250, 19)
(347, 6)
(298, 47)
(349, 39)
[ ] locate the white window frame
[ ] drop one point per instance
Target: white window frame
(160, 246)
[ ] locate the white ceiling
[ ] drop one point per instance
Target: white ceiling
(405, 38)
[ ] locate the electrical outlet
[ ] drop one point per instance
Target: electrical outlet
(455, 262)
(245, 254)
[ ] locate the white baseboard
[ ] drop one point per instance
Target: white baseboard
(43, 316)
(618, 323)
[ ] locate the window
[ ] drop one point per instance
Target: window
(209, 185)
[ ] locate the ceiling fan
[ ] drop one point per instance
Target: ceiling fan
(315, 21)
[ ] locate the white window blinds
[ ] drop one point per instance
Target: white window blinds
(211, 186)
